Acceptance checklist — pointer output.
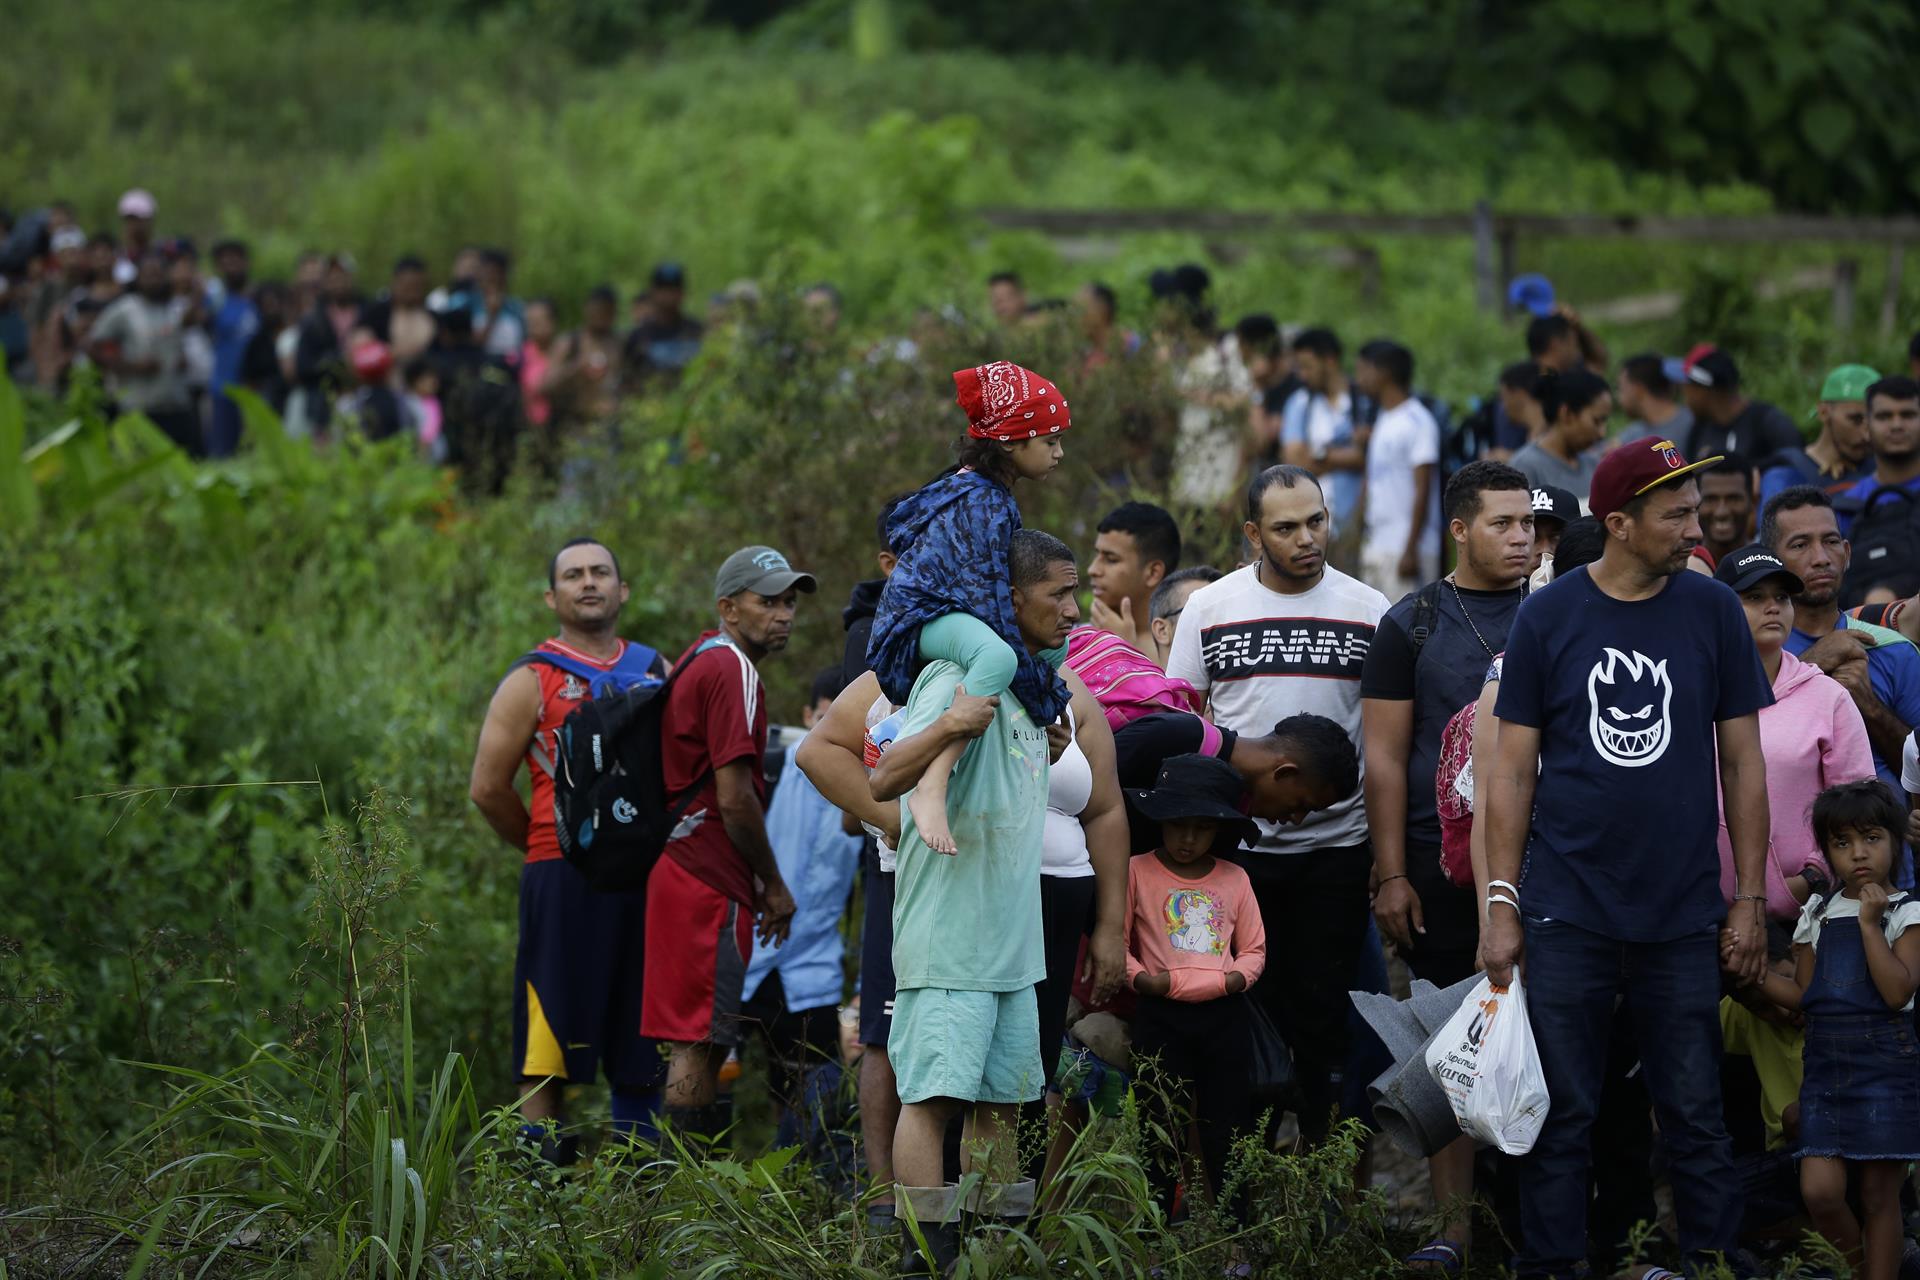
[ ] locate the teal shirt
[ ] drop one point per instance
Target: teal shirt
(971, 921)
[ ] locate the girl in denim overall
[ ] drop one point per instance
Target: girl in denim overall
(1856, 966)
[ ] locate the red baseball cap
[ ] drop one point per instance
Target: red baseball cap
(1633, 469)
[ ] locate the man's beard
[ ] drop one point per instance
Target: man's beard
(1287, 573)
(1490, 570)
(1816, 599)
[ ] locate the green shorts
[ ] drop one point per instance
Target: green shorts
(977, 1046)
(1084, 1076)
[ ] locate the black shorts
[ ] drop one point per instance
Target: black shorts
(876, 954)
(1449, 950)
(796, 1040)
(1066, 912)
(577, 982)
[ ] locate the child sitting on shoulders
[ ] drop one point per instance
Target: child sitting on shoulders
(1194, 945)
(1856, 966)
(950, 595)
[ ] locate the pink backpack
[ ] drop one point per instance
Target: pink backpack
(1453, 796)
(1123, 680)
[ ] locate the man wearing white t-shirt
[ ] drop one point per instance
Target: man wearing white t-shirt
(1284, 635)
(1402, 544)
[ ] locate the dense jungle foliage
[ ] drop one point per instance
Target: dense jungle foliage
(257, 946)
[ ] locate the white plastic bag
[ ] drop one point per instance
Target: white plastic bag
(1485, 1062)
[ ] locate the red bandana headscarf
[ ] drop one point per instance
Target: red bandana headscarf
(1005, 402)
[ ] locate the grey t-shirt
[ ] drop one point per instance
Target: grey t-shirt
(146, 330)
(1677, 428)
(1542, 468)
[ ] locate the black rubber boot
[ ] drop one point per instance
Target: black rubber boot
(937, 1210)
(720, 1132)
(695, 1127)
(560, 1150)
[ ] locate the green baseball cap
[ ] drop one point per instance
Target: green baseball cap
(760, 569)
(1846, 382)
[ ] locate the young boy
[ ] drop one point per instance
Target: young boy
(1194, 946)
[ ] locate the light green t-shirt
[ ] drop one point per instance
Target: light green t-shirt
(1881, 635)
(970, 921)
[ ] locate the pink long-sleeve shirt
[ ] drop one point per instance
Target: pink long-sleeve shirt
(1813, 738)
(1195, 931)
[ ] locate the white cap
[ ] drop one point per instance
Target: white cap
(138, 203)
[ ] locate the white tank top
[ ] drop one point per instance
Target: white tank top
(1063, 851)
(883, 726)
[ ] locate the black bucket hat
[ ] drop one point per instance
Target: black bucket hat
(1197, 786)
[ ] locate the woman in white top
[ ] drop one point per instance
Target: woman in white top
(1083, 868)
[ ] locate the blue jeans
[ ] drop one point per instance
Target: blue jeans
(1672, 991)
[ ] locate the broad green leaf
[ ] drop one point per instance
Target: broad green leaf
(267, 436)
(1828, 125)
(770, 1164)
(1694, 40)
(1792, 64)
(1587, 86)
(1672, 87)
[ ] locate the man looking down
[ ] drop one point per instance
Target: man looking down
(968, 940)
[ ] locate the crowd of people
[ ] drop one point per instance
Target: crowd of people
(463, 366)
(1627, 710)
(1140, 851)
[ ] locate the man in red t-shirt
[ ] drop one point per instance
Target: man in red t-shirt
(702, 897)
(577, 968)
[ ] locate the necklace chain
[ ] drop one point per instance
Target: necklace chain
(1461, 601)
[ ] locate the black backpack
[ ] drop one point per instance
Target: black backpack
(611, 811)
(1886, 542)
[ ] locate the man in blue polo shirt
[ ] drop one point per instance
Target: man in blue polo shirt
(1878, 667)
(1893, 429)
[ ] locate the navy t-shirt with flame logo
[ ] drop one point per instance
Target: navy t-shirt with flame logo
(1626, 695)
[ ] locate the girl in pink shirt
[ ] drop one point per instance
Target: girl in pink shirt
(1194, 946)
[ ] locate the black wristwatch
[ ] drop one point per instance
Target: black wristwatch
(1817, 882)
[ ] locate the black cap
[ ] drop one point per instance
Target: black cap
(1550, 503)
(1752, 565)
(1714, 369)
(1196, 786)
(669, 275)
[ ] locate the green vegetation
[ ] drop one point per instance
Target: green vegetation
(254, 934)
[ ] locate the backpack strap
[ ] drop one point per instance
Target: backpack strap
(1885, 491)
(559, 661)
(637, 656)
(1426, 611)
(634, 663)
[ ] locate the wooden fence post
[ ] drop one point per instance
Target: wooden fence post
(1846, 278)
(1890, 292)
(1507, 237)
(1486, 292)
